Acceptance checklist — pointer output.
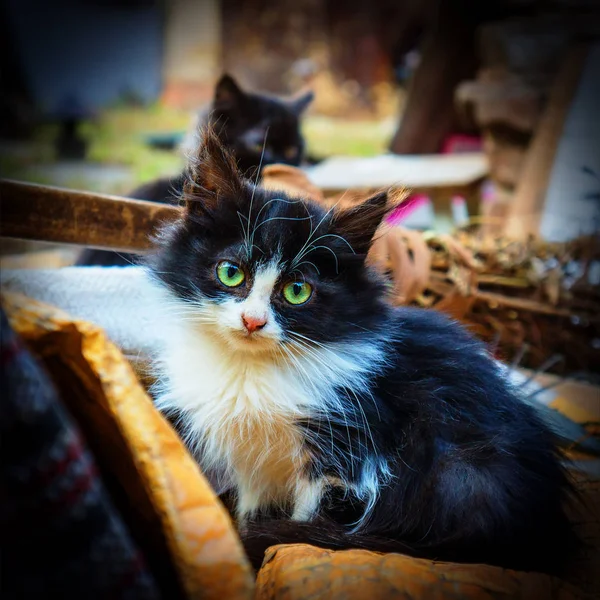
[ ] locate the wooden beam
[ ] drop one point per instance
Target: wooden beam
(50, 214)
(192, 52)
(527, 206)
(447, 58)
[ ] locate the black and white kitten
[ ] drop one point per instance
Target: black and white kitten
(257, 129)
(339, 420)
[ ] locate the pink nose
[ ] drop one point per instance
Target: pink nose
(253, 323)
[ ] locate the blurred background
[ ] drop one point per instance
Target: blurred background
(123, 79)
(95, 93)
(481, 114)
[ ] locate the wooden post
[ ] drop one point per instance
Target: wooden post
(192, 57)
(526, 209)
(448, 57)
(264, 39)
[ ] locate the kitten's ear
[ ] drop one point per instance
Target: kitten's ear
(212, 174)
(300, 104)
(357, 225)
(227, 92)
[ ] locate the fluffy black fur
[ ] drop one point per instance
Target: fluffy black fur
(257, 129)
(474, 474)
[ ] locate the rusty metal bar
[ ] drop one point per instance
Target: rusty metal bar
(51, 214)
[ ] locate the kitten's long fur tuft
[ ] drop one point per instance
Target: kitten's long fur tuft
(211, 173)
(339, 420)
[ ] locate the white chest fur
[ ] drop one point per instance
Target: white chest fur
(240, 408)
(239, 414)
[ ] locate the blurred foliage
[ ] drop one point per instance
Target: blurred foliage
(16, 159)
(119, 137)
(348, 101)
(327, 136)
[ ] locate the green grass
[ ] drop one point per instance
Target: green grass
(327, 136)
(118, 137)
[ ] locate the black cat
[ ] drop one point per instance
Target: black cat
(258, 129)
(339, 420)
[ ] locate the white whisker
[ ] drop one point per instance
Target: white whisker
(299, 273)
(308, 262)
(308, 380)
(267, 204)
(343, 412)
(335, 235)
(299, 255)
(280, 219)
(262, 155)
(312, 248)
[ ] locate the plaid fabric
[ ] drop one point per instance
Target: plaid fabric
(61, 535)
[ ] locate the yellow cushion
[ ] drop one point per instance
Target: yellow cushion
(297, 572)
(184, 531)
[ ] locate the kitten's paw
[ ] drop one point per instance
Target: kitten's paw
(307, 498)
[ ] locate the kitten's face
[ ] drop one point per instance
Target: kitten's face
(267, 273)
(255, 126)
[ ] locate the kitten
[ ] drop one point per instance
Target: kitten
(339, 420)
(258, 129)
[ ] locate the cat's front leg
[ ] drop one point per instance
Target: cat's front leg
(248, 503)
(307, 498)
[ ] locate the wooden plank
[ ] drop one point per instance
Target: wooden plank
(50, 214)
(417, 172)
(579, 400)
(437, 176)
(523, 304)
(527, 206)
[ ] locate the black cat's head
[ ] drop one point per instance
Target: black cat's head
(258, 129)
(266, 272)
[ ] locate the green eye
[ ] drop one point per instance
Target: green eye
(230, 274)
(296, 292)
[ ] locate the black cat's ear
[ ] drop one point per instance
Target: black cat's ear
(213, 174)
(227, 92)
(300, 104)
(357, 225)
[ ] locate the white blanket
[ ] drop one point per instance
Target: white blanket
(118, 299)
